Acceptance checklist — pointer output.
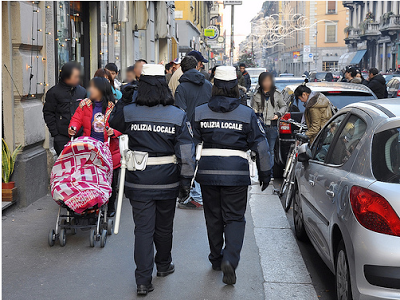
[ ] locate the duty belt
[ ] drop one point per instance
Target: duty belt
(224, 152)
(161, 160)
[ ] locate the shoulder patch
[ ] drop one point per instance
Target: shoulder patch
(260, 126)
(189, 126)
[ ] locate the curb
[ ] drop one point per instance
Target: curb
(285, 273)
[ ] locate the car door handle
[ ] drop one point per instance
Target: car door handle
(330, 193)
(311, 182)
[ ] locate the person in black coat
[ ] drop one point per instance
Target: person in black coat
(245, 80)
(377, 83)
(228, 130)
(61, 102)
(160, 130)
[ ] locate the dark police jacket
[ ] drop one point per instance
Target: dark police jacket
(224, 123)
(61, 102)
(192, 91)
(160, 131)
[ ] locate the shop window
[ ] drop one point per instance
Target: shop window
(330, 66)
(330, 33)
(69, 38)
(331, 7)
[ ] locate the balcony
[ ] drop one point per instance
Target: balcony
(390, 24)
(369, 29)
(353, 36)
(348, 4)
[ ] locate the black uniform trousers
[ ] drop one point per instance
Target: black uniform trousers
(59, 142)
(114, 186)
(153, 227)
(224, 209)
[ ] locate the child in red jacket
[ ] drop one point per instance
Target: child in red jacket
(92, 115)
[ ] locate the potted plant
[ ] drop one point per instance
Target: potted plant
(8, 162)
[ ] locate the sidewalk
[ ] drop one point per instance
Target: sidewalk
(32, 270)
(285, 273)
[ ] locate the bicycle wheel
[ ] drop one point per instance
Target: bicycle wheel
(289, 190)
(286, 180)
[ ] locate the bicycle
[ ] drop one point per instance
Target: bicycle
(288, 174)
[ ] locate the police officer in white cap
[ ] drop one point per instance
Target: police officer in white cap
(227, 130)
(161, 138)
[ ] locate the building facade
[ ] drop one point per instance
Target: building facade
(39, 37)
(372, 36)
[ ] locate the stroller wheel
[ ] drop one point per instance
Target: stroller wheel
(92, 237)
(52, 237)
(110, 225)
(63, 237)
(103, 238)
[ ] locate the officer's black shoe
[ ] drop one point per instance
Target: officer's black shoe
(111, 213)
(143, 290)
(216, 267)
(229, 273)
(171, 269)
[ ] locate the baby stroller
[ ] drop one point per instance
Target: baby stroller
(81, 184)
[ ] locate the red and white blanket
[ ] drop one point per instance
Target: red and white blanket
(82, 175)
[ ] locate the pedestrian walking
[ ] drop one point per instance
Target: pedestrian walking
(245, 79)
(92, 116)
(177, 73)
(160, 136)
(61, 102)
(269, 106)
(107, 75)
(227, 130)
(113, 69)
(192, 91)
(317, 112)
(377, 83)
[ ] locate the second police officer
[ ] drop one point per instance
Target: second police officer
(160, 135)
(228, 130)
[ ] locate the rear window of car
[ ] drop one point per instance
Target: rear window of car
(341, 99)
(281, 85)
(385, 155)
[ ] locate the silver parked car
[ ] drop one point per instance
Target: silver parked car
(347, 199)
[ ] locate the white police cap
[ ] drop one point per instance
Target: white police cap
(153, 70)
(225, 73)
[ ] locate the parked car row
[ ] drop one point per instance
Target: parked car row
(346, 198)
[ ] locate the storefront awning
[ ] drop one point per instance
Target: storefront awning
(358, 57)
(345, 59)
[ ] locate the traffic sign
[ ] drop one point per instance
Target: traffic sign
(307, 55)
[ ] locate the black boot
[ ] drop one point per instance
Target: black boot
(170, 270)
(111, 208)
(229, 273)
(143, 290)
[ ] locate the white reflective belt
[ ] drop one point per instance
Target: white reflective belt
(223, 152)
(161, 160)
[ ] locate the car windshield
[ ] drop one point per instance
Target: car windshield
(338, 99)
(385, 155)
(254, 80)
(320, 75)
(255, 72)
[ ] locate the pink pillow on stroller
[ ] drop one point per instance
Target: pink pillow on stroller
(82, 175)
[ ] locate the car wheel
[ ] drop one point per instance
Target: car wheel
(298, 220)
(342, 274)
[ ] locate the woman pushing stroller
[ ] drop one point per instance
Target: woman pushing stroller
(92, 115)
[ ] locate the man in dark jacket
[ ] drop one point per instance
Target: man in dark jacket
(245, 80)
(377, 83)
(193, 90)
(61, 102)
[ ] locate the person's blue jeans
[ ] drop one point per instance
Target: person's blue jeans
(271, 132)
(195, 193)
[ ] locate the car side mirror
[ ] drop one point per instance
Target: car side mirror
(304, 154)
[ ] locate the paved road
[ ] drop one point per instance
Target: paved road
(322, 278)
(32, 270)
